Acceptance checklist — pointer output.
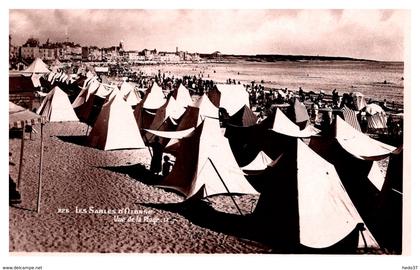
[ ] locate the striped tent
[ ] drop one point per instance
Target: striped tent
(376, 121)
(351, 118)
(20, 117)
(376, 116)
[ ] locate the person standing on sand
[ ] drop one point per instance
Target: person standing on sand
(166, 167)
(156, 164)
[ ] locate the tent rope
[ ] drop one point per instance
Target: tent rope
(361, 228)
(223, 182)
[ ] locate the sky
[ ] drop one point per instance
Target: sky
(368, 34)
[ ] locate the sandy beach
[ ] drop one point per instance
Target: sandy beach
(96, 201)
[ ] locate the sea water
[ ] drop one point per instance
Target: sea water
(376, 80)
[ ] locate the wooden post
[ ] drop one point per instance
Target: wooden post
(38, 205)
(22, 145)
(223, 182)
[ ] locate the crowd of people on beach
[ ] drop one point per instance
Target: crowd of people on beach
(262, 99)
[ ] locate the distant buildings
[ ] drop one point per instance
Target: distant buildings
(69, 51)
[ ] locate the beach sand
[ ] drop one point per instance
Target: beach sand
(77, 176)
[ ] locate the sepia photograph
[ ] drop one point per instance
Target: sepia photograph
(209, 131)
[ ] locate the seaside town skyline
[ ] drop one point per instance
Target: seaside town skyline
(70, 51)
(360, 34)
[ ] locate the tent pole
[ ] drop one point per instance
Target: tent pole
(148, 145)
(87, 129)
(38, 204)
(223, 182)
(145, 136)
(22, 145)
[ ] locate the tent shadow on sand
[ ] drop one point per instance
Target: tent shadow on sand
(138, 172)
(201, 213)
(22, 208)
(80, 140)
(247, 228)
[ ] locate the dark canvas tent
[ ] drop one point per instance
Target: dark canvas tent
(145, 111)
(304, 205)
(244, 117)
(205, 163)
(390, 206)
(90, 109)
(22, 90)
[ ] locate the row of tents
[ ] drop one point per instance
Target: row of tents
(307, 197)
(315, 190)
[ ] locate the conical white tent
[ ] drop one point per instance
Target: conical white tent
(126, 88)
(130, 95)
(115, 127)
(207, 108)
(358, 144)
(376, 176)
(106, 90)
(301, 113)
(154, 98)
(205, 161)
(326, 212)
(260, 162)
(231, 97)
(182, 95)
(37, 66)
(35, 79)
(133, 98)
(56, 107)
(145, 111)
(86, 92)
(304, 202)
(283, 125)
